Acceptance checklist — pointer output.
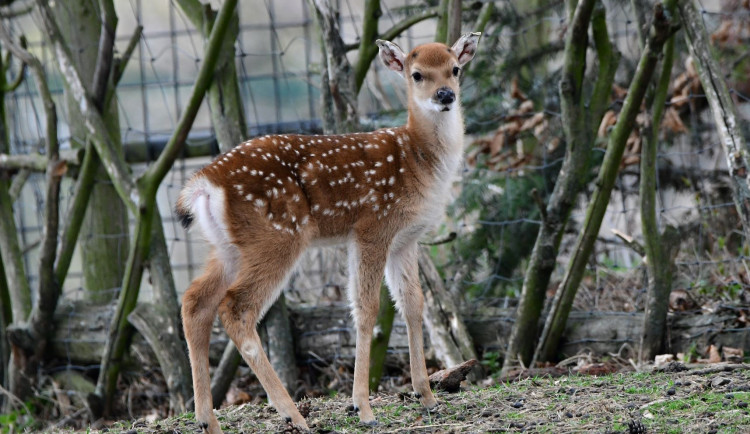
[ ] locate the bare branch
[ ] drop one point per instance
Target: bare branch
(9, 14)
(609, 58)
(400, 27)
(74, 218)
(44, 92)
(14, 83)
(122, 62)
(18, 182)
(105, 53)
(36, 162)
(661, 30)
(118, 171)
(157, 171)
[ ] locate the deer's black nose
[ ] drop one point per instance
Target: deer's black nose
(445, 95)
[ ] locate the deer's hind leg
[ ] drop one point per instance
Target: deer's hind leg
(262, 274)
(199, 306)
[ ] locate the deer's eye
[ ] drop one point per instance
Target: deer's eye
(456, 70)
(416, 76)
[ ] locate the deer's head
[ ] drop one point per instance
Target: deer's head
(431, 70)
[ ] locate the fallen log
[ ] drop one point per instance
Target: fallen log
(326, 333)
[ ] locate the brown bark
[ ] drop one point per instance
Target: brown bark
(341, 79)
(450, 379)
(155, 323)
(166, 311)
(723, 109)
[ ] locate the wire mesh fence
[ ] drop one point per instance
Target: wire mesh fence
(278, 58)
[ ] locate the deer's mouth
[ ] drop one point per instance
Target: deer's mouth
(446, 109)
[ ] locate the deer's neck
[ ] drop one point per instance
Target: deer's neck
(439, 134)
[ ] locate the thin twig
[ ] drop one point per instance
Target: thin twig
(539, 203)
(14, 398)
(444, 240)
(123, 60)
(722, 368)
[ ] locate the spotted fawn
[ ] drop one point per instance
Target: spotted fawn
(263, 203)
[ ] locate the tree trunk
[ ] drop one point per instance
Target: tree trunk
(224, 98)
(722, 108)
(454, 22)
(280, 344)
(328, 331)
(441, 30)
(380, 337)
(104, 239)
(341, 78)
(561, 305)
(224, 373)
(155, 323)
(14, 288)
(5, 314)
(448, 335)
(139, 195)
(579, 125)
(659, 261)
(175, 366)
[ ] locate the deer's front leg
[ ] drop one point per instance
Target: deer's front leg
(402, 277)
(366, 264)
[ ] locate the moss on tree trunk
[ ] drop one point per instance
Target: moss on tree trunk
(104, 239)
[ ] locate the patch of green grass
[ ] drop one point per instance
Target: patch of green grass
(399, 410)
(513, 415)
(641, 390)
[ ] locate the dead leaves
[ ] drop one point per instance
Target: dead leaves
(516, 140)
(732, 31)
(506, 148)
(684, 87)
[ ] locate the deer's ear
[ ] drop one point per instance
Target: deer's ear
(391, 55)
(466, 47)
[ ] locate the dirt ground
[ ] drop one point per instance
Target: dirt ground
(701, 399)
